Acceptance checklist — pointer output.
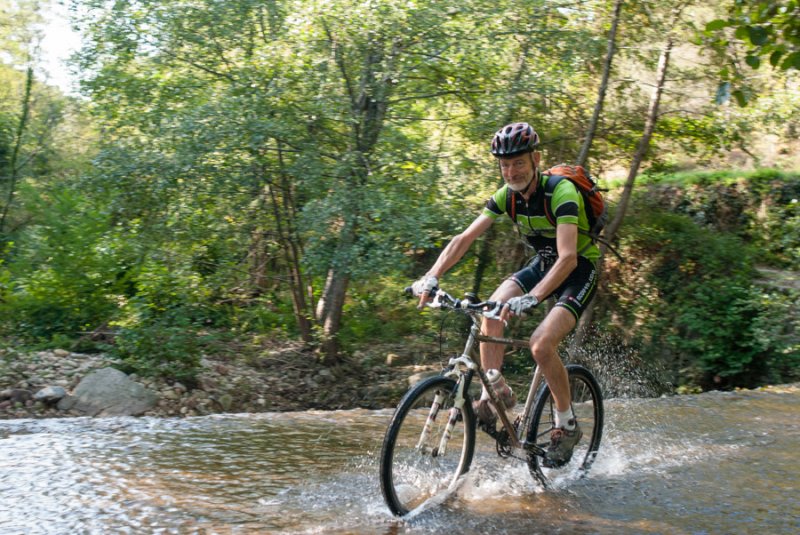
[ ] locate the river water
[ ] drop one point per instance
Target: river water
(703, 464)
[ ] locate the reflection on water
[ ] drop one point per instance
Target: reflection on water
(713, 463)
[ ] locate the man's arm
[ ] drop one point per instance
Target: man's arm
(459, 245)
(567, 245)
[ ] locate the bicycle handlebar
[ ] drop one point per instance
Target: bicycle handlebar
(442, 299)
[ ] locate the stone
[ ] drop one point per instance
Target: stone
(109, 392)
(393, 359)
(50, 394)
(170, 394)
(61, 353)
(226, 402)
(20, 395)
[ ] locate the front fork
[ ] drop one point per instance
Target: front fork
(458, 408)
(462, 385)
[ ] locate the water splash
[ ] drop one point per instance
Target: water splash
(714, 463)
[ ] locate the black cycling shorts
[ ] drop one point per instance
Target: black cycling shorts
(574, 294)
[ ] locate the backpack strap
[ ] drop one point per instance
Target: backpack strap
(549, 188)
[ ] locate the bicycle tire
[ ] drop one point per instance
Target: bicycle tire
(587, 404)
(411, 475)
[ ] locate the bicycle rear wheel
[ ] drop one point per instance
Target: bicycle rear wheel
(413, 466)
(587, 404)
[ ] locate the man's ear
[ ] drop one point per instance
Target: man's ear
(537, 156)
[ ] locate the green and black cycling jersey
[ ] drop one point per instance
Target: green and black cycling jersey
(567, 206)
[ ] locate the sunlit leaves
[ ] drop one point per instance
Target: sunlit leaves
(768, 30)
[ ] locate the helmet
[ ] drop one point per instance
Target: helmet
(514, 139)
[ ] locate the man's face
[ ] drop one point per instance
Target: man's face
(518, 171)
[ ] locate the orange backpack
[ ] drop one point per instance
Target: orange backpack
(596, 210)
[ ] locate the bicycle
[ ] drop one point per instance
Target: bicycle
(424, 455)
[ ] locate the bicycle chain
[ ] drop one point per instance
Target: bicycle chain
(503, 439)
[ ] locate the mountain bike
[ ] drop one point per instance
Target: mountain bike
(430, 441)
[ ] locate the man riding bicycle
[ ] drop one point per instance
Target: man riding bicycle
(564, 266)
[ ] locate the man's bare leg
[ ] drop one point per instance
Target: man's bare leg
(544, 347)
(492, 354)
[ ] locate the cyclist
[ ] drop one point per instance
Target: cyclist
(564, 266)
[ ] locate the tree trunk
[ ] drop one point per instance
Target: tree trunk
(333, 298)
(331, 304)
(369, 104)
(284, 213)
(638, 157)
(485, 256)
(601, 93)
(644, 142)
(14, 171)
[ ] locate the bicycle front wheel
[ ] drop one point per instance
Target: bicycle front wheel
(587, 404)
(416, 463)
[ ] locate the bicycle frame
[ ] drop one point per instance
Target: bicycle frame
(464, 367)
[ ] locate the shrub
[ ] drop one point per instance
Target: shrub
(691, 294)
(165, 346)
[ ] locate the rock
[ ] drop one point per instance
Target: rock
(393, 359)
(170, 394)
(50, 394)
(61, 353)
(19, 395)
(226, 401)
(109, 392)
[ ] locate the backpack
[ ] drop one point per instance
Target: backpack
(596, 211)
(593, 202)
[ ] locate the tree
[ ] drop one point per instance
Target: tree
(603, 88)
(638, 156)
(14, 165)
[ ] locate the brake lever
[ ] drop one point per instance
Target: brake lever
(494, 314)
(437, 301)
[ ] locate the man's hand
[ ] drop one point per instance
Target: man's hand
(423, 288)
(519, 305)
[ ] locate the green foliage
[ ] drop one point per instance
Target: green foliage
(693, 294)
(166, 345)
(769, 31)
(63, 279)
(759, 206)
(248, 149)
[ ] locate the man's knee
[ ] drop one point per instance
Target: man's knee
(545, 339)
(543, 346)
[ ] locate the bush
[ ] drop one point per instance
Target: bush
(690, 291)
(63, 280)
(165, 346)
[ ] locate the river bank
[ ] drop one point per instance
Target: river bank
(286, 380)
